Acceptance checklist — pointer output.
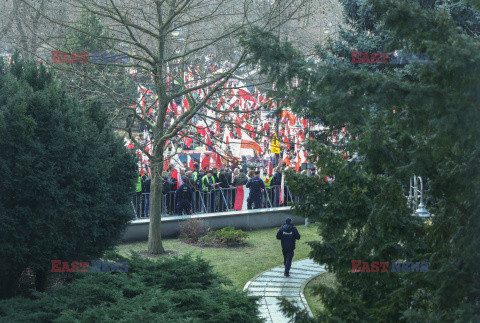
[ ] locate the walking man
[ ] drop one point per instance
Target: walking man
(288, 234)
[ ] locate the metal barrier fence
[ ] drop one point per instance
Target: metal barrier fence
(200, 202)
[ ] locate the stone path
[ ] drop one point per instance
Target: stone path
(272, 284)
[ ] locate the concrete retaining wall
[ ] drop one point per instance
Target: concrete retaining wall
(249, 219)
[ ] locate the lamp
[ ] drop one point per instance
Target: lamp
(421, 211)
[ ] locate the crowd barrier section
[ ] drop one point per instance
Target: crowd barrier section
(203, 202)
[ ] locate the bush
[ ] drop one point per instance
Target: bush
(193, 229)
(172, 289)
(226, 236)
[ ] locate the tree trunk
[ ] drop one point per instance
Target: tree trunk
(40, 280)
(155, 245)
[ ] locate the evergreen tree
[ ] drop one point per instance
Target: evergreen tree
(66, 177)
(407, 119)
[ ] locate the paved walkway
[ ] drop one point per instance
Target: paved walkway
(272, 284)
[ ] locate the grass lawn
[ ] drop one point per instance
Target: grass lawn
(314, 301)
(262, 252)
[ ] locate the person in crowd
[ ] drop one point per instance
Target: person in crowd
(224, 184)
(184, 197)
(138, 197)
(266, 178)
(215, 175)
(256, 187)
(251, 174)
(240, 179)
(288, 233)
(275, 183)
(229, 173)
(208, 185)
(146, 192)
(236, 171)
(195, 172)
(166, 189)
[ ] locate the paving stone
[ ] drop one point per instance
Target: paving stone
(272, 285)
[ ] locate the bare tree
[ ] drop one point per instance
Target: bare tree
(162, 38)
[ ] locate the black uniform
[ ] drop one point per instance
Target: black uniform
(184, 197)
(288, 234)
(255, 185)
(275, 184)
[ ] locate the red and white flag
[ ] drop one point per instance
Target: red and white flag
(282, 194)
(241, 198)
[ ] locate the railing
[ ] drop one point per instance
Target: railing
(200, 202)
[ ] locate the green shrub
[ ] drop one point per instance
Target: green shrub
(227, 236)
(172, 289)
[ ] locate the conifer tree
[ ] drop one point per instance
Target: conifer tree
(66, 177)
(404, 119)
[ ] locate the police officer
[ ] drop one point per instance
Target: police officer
(256, 186)
(288, 234)
(208, 184)
(184, 197)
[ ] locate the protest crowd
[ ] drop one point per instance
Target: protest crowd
(222, 147)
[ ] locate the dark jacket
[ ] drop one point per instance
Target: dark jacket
(255, 185)
(184, 192)
(224, 182)
(166, 185)
(146, 185)
(277, 179)
(288, 234)
(240, 179)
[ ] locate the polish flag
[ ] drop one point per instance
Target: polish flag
(185, 104)
(290, 116)
(282, 191)
(205, 161)
(241, 198)
(246, 95)
(176, 175)
(286, 141)
(218, 160)
(297, 166)
(249, 143)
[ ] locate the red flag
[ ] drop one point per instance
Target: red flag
(297, 166)
(166, 165)
(176, 177)
(270, 169)
(185, 104)
(286, 160)
(286, 141)
(205, 162)
(245, 95)
(188, 141)
(218, 160)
